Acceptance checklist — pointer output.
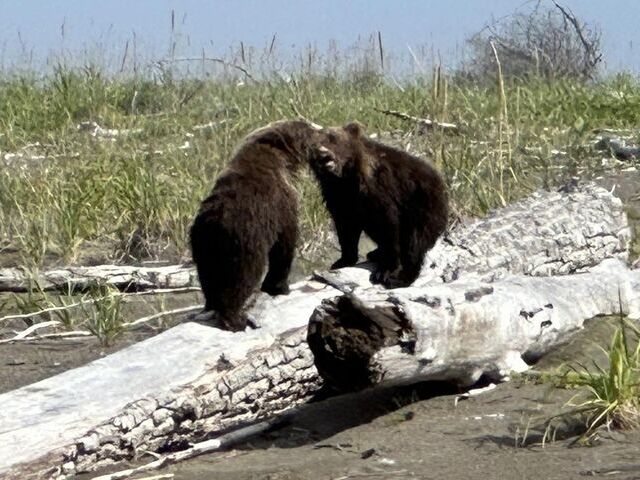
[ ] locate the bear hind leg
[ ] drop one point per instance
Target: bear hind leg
(276, 282)
(413, 252)
(227, 276)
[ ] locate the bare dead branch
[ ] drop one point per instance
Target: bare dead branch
(425, 122)
(197, 449)
(592, 58)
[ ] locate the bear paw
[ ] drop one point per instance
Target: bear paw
(277, 289)
(214, 319)
(387, 278)
(344, 262)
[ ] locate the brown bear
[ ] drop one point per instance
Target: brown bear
(400, 201)
(251, 219)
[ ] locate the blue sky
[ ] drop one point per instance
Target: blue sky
(36, 27)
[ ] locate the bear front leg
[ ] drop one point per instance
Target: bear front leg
(348, 231)
(281, 254)
(387, 255)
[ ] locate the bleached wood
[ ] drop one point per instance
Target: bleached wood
(122, 277)
(194, 450)
(29, 330)
(49, 336)
(423, 122)
(461, 330)
(174, 387)
(194, 382)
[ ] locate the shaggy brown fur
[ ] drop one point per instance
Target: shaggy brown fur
(397, 199)
(251, 219)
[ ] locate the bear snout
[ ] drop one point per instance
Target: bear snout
(326, 159)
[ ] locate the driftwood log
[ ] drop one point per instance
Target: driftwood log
(81, 278)
(177, 387)
(194, 382)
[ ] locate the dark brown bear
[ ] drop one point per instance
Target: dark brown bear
(397, 199)
(251, 219)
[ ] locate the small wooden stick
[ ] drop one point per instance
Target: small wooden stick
(46, 336)
(421, 121)
(94, 300)
(36, 326)
(196, 449)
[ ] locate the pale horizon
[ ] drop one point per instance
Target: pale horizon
(33, 32)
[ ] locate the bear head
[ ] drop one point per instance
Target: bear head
(294, 138)
(340, 152)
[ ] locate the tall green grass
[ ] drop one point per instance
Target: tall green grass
(612, 392)
(133, 197)
(608, 388)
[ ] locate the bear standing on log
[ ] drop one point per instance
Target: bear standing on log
(251, 219)
(400, 201)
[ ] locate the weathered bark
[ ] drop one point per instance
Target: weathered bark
(195, 382)
(461, 330)
(122, 277)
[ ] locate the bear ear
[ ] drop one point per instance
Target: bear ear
(354, 129)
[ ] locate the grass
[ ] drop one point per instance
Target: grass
(612, 393)
(608, 389)
(133, 197)
(105, 318)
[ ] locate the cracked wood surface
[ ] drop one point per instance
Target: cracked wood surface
(194, 382)
(50, 424)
